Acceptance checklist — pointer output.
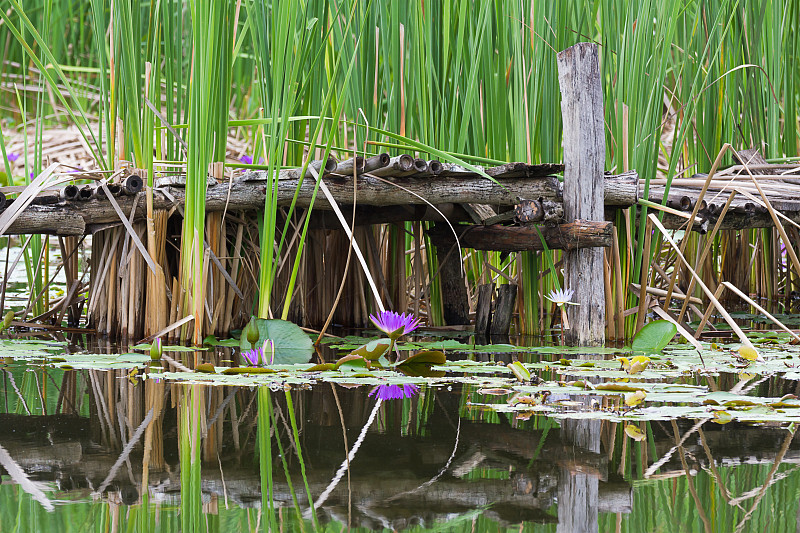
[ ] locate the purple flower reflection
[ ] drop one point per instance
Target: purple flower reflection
(394, 392)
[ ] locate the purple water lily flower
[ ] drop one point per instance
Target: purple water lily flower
(265, 355)
(13, 157)
(395, 324)
(394, 392)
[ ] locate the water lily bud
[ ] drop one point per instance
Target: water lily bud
(251, 332)
(8, 319)
(156, 350)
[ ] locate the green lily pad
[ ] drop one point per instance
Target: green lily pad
(291, 344)
(428, 357)
(373, 350)
(654, 337)
(248, 370)
(519, 370)
(352, 363)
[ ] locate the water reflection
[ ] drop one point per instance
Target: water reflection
(108, 450)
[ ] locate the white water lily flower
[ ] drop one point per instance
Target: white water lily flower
(561, 297)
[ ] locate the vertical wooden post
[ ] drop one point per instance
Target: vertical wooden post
(584, 160)
(455, 303)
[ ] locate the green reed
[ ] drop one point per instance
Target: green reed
(456, 80)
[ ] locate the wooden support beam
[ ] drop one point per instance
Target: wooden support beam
(60, 217)
(571, 236)
(584, 160)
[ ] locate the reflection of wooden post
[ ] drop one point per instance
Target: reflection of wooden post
(578, 491)
(584, 159)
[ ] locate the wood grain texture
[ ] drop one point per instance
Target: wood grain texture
(249, 193)
(584, 159)
(570, 236)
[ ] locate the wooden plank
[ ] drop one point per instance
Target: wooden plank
(584, 160)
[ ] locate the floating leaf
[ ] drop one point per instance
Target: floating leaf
(632, 399)
(373, 350)
(654, 336)
(248, 370)
(352, 363)
(428, 357)
(292, 345)
(493, 392)
(211, 340)
(722, 417)
(638, 364)
(634, 432)
(206, 368)
(749, 353)
(617, 386)
(421, 370)
(519, 370)
(323, 367)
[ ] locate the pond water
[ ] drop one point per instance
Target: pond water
(119, 445)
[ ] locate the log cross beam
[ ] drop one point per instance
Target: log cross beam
(584, 160)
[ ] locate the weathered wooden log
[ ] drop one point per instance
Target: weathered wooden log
(584, 197)
(376, 161)
(734, 220)
(528, 211)
(249, 192)
(399, 163)
(114, 188)
(483, 310)
(418, 167)
(620, 188)
(455, 302)
(70, 192)
(503, 310)
(347, 166)
(51, 219)
(132, 184)
(86, 193)
(571, 236)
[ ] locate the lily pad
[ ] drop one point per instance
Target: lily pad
(373, 350)
(291, 344)
(428, 357)
(352, 363)
(654, 337)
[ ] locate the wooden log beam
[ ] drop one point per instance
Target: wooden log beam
(50, 219)
(249, 193)
(575, 235)
(733, 221)
(584, 160)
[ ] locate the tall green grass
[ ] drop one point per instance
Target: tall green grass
(680, 78)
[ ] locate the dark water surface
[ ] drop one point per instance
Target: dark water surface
(73, 450)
